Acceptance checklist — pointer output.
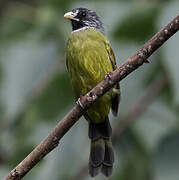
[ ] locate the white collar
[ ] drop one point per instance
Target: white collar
(82, 29)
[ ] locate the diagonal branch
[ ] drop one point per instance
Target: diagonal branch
(52, 140)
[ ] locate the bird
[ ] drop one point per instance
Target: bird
(89, 59)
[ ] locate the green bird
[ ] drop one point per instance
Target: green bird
(89, 58)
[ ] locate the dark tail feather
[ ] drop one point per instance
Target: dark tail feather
(94, 171)
(101, 130)
(101, 154)
(96, 156)
(116, 100)
(107, 166)
(115, 104)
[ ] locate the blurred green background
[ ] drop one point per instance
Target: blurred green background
(35, 91)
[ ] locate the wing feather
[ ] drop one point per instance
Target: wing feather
(116, 89)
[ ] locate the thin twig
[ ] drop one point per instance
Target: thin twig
(131, 116)
(52, 140)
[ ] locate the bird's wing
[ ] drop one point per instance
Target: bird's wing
(67, 64)
(116, 89)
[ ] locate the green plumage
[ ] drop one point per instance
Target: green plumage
(89, 58)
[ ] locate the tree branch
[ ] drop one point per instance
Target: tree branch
(52, 140)
(131, 116)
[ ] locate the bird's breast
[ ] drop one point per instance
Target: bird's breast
(87, 59)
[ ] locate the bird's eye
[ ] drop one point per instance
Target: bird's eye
(83, 14)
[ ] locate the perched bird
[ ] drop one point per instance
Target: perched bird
(89, 58)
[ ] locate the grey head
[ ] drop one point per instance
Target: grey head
(83, 17)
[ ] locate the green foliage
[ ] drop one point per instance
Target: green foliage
(56, 98)
(57, 4)
(138, 25)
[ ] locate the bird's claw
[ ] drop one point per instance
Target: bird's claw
(79, 102)
(108, 77)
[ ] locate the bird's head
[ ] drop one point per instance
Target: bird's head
(83, 17)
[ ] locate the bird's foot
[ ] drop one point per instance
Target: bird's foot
(108, 77)
(91, 97)
(79, 102)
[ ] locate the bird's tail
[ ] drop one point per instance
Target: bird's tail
(101, 154)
